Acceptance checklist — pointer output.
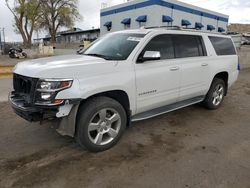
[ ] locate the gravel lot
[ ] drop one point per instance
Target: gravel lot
(5, 60)
(191, 147)
(5, 89)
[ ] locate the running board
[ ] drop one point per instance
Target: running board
(166, 109)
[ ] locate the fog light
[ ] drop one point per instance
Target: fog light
(46, 96)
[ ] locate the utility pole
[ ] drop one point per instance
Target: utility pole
(3, 41)
(3, 35)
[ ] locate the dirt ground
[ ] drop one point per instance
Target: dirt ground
(5, 60)
(191, 147)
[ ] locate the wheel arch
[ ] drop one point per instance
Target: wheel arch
(224, 75)
(67, 125)
(119, 95)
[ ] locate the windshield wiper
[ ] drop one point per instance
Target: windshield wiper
(99, 55)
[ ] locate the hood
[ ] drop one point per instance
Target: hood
(67, 66)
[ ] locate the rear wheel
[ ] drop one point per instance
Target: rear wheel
(215, 95)
(100, 124)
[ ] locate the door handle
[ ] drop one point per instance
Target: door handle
(174, 68)
(204, 64)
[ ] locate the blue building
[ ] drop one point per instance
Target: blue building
(155, 13)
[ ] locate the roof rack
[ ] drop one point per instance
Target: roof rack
(181, 28)
(168, 27)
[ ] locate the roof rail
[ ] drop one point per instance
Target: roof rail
(181, 28)
(199, 30)
(167, 27)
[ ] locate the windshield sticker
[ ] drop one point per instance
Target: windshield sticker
(137, 39)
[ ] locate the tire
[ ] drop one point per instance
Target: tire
(217, 90)
(101, 122)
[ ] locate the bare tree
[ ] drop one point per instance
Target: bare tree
(26, 15)
(59, 13)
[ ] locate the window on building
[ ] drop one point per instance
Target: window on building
(108, 25)
(126, 22)
(142, 24)
(142, 20)
(223, 46)
(163, 44)
(188, 46)
(126, 26)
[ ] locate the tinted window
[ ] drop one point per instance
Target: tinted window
(188, 46)
(223, 46)
(163, 44)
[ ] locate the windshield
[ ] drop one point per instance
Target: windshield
(116, 46)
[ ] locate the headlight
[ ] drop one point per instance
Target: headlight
(53, 85)
(47, 90)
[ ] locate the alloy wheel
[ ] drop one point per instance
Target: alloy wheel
(218, 94)
(104, 126)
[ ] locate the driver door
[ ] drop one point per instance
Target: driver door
(157, 81)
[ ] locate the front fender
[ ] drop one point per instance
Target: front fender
(106, 83)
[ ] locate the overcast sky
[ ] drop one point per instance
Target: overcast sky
(239, 11)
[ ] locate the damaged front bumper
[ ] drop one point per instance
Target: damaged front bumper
(31, 112)
(65, 113)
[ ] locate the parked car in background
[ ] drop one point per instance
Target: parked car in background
(124, 77)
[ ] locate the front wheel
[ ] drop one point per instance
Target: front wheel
(215, 95)
(100, 124)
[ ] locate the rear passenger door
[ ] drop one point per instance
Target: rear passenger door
(190, 52)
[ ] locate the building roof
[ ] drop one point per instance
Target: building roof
(81, 31)
(70, 32)
(180, 6)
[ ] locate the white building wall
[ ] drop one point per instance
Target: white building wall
(154, 16)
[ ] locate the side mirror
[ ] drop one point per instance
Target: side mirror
(150, 56)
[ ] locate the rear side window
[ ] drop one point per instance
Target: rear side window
(188, 46)
(163, 44)
(222, 46)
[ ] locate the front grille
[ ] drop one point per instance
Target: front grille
(25, 87)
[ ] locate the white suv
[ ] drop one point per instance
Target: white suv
(124, 77)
